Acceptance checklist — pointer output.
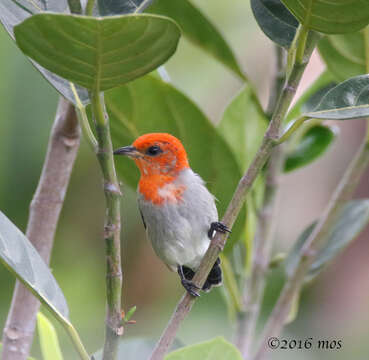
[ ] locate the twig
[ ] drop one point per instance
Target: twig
(43, 218)
(312, 245)
(239, 197)
(254, 287)
(114, 328)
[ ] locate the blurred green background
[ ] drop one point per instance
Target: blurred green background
(334, 307)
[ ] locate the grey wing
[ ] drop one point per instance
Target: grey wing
(143, 219)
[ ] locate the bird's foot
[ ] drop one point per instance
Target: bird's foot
(190, 287)
(219, 227)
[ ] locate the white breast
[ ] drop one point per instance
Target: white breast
(178, 230)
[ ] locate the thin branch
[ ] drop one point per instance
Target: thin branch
(114, 328)
(253, 292)
(254, 287)
(43, 218)
(238, 199)
(311, 247)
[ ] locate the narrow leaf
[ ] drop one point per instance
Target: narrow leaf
(312, 144)
(49, 342)
(275, 20)
(21, 258)
(199, 30)
(243, 126)
(348, 100)
(350, 222)
(98, 53)
(344, 55)
(330, 17)
(167, 110)
(216, 349)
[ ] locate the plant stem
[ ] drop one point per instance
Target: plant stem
(234, 207)
(43, 218)
(83, 120)
(114, 328)
(89, 7)
(312, 245)
(75, 6)
(254, 287)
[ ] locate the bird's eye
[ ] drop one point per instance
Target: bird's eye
(154, 150)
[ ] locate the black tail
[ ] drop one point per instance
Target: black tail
(214, 277)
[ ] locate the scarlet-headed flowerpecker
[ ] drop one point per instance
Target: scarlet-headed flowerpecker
(177, 210)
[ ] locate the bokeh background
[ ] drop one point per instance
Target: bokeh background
(333, 307)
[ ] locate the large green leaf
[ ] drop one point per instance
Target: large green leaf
(216, 349)
(98, 53)
(344, 55)
(349, 223)
(22, 259)
(196, 27)
(165, 109)
(275, 20)
(49, 342)
(312, 144)
(331, 17)
(14, 12)
(243, 126)
(347, 100)
(199, 30)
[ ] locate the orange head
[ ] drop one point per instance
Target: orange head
(160, 157)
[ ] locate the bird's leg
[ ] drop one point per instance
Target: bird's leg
(190, 287)
(217, 226)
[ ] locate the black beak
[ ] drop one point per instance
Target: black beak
(128, 151)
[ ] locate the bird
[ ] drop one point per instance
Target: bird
(177, 210)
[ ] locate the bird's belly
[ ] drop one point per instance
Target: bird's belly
(176, 238)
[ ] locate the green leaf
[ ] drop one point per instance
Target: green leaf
(344, 55)
(12, 14)
(49, 342)
(167, 110)
(199, 30)
(330, 17)
(275, 20)
(349, 223)
(312, 144)
(114, 7)
(243, 126)
(195, 25)
(216, 349)
(98, 53)
(21, 258)
(130, 313)
(348, 100)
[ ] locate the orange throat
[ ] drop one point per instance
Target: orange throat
(160, 188)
